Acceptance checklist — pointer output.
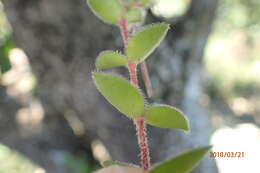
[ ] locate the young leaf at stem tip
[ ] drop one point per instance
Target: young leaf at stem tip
(110, 11)
(144, 42)
(109, 59)
(120, 93)
(182, 163)
(165, 116)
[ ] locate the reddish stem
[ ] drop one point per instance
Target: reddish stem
(145, 75)
(124, 30)
(133, 75)
(146, 78)
(142, 142)
(139, 122)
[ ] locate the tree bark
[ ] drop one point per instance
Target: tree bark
(62, 39)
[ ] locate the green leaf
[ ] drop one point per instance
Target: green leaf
(165, 116)
(134, 15)
(109, 11)
(120, 93)
(182, 163)
(109, 59)
(143, 43)
(111, 163)
(146, 3)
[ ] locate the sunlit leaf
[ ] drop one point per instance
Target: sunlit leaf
(120, 93)
(109, 59)
(182, 163)
(109, 11)
(111, 163)
(143, 43)
(165, 116)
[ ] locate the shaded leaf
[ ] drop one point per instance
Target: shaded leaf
(120, 93)
(143, 43)
(109, 11)
(182, 163)
(165, 116)
(109, 59)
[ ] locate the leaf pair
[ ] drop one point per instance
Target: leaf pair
(140, 46)
(182, 163)
(129, 101)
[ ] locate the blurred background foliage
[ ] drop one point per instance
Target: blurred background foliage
(6, 43)
(232, 61)
(14, 162)
(232, 58)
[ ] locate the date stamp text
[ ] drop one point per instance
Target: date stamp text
(227, 154)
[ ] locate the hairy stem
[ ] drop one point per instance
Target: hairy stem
(133, 74)
(145, 75)
(142, 142)
(139, 122)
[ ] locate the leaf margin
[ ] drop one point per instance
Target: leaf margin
(152, 48)
(101, 57)
(204, 149)
(181, 114)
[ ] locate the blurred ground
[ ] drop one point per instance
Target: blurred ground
(232, 61)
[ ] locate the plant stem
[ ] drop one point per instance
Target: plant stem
(139, 122)
(142, 142)
(124, 30)
(146, 78)
(133, 74)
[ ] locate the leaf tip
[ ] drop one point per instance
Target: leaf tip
(186, 127)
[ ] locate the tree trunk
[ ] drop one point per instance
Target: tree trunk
(62, 39)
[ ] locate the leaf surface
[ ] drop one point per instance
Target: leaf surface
(143, 43)
(120, 93)
(165, 116)
(109, 11)
(109, 59)
(182, 163)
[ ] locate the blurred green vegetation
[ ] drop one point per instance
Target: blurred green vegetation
(6, 42)
(80, 163)
(232, 55)
(13, 162)
(6, 46)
